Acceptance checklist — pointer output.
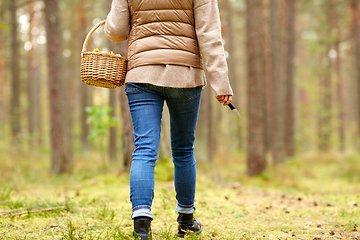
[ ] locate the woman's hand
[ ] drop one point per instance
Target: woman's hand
(225, 99)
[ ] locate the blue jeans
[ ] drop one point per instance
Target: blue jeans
(146, 103)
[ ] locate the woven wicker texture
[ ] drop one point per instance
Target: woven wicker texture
(102, 69)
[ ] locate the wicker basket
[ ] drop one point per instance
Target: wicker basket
(102, 69)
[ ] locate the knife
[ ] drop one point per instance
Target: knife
(233, 108)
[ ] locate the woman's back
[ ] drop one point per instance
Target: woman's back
(163, 32)
(162, 49)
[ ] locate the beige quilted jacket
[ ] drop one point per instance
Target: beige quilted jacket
(170, 41)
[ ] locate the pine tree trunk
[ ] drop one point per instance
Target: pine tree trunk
(72, 63)
(255, 142)
(36, 83)
(113, 99)
(356, 7)
(60, 129)
(267, 81)
(230, 46)
(324, 122)
(325, 94)
(33, 79)
(290, 111)
(3, 68)
(211, 146)
(278, 90)
(128, 136)
(202, 131)
(29, 82)
(231, 49)
(352, 100)
(339, 78)
(84, 92)
(15, 75)
(165, 148)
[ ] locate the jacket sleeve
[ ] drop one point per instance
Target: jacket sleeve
(208, 31)
(117, 26)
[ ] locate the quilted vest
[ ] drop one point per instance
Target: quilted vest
(162, 32)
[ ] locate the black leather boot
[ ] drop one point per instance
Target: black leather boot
(142, 228)
(187, 222)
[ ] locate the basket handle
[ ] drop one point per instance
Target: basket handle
(90, 33)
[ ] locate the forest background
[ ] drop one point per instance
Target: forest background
(294, 67)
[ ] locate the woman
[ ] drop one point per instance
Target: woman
(169, 42)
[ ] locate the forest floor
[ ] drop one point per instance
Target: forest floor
(308, 197)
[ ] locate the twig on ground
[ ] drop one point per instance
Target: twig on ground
(17, 213)
(11, 211)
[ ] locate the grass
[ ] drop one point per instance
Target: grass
(309, 197)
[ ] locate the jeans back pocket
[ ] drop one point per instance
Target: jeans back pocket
(190, 93)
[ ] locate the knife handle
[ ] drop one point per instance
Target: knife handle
(231, 106)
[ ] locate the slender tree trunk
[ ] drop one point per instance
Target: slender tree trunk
(202, 133)
(33, 81)
(30, 79)
(3, 68)
(339, 78)
(325, 92)
(255, 142)
(211, 146)
(356, 10)
(324, 124)
(230, 44)
(128, 136)
(60, 129)
(351, 86)
(36, 81)
(165, 148)
(74, 44)
(113, 99)
(3, 73)
(33, 78)
(15, 75)
(290, 111)
(267, 81)
(113, 130)
(278, 96)
(84, 102)
(230, 47)
(85, 95)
